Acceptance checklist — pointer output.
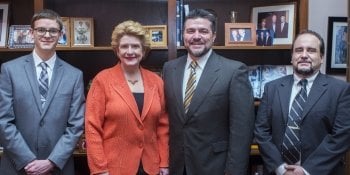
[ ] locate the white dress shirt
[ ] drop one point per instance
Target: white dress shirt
(202, 61)
(50, 65)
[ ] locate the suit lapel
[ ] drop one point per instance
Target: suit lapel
(150, 92)
(29, 68)
(317, 90)
(284, 91)
(178, 74)
(56, 78)
(121, 87)
(207, 80)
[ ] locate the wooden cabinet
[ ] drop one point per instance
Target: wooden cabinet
(108, 13)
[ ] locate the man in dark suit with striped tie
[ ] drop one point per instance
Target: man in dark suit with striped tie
(303, 125)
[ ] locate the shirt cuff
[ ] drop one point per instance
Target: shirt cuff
(281, 170)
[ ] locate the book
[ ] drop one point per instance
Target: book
(259, 75)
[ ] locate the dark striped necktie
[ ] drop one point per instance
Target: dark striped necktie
(291, 148)
(43, 83)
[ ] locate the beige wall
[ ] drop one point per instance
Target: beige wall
(319, 11)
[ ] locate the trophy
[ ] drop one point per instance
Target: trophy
(233, 16)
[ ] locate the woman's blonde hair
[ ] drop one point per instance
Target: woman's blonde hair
(132, 28)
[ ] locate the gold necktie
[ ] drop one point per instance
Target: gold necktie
(190, 86)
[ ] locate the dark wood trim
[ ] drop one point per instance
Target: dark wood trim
(303, 14)
(38, 5)
(172, 52)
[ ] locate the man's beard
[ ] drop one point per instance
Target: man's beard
(199, 53)
(305, 71)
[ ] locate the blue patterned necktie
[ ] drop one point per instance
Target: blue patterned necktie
(43, 83)
(291, 148)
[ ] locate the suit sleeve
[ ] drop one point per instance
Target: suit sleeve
(331, 150)
(241, 104)
(67, 143)
(94, 119)
(10, 138)
(263, 132)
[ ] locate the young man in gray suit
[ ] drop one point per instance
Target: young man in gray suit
(42, 106)
(304, 128)
(210, 105)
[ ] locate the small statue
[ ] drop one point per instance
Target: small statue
(233, 16)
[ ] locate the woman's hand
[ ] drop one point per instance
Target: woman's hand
(164, 171)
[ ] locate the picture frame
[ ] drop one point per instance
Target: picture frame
(64, 40)
(337, 45)
(82, 32)
(4, 7)
(280, 21)
(158, 35)
(240, 34)
(20, 36)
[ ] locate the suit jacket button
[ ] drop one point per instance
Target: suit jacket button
(141, 127)
(41, 123)
(140, 145)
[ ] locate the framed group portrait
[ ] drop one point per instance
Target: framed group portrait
(64, 40)
(20, 37)
(157, 35)
(240, 34)
(4, 7)
(278, 20)
(337, 45)
(82, 32)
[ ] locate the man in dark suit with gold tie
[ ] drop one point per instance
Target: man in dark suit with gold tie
(210, 105)
(303, 125)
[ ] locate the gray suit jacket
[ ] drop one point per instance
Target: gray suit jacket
(325, 126)
(28, 131)
(215, 134)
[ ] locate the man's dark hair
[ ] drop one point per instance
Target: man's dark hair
(47, 14)
(202, 13)
(318, 36)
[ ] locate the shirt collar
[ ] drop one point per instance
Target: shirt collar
(50, 62)
(201, 60)
(310, 80)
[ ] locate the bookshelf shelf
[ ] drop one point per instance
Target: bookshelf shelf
(280, 47)
(96, 48)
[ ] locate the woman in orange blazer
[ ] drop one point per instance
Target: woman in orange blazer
(126, 124)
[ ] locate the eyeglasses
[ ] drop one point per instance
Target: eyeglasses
(42, 31)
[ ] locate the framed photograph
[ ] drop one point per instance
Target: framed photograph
(64, 40)
(20, 37)
(337, 45)
(279, 20)
(158, 35)
(264, 37)
(240, 34)
(4, 7)
(82, 32)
